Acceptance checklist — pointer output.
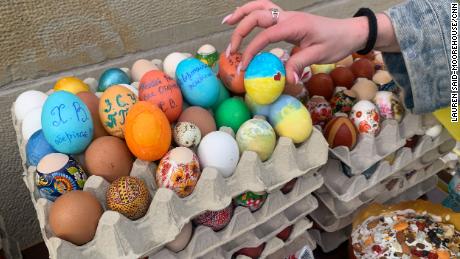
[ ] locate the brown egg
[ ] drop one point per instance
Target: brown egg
(363, 68)
(342, 76)
(74, 217)
(108, 157)
(297, 91)
(140, 67)
(369, 56)
(320, 84)
(200, 117)
(365, 89)
(346, 62)
(92, 102)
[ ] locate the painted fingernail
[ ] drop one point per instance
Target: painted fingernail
(226, 18)
(238, 69)
(296, 78)
(227, 51)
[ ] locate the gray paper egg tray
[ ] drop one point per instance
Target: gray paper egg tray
(245, 230)
(369, 150)
(9, 247)
(346, 188)
(327, 221)
(342, 209)
(119, 237)
(329, 241)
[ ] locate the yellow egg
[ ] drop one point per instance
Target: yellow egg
(324, 68)
(114, 105)
(71, 84)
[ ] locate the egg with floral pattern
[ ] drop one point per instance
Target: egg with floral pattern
(366, 117)
(179, 170)
(390, 107)
(320, 110)
(252, 200)
(216, 220)
(342, 101)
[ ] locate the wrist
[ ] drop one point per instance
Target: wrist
(386, 38)
(359, 29)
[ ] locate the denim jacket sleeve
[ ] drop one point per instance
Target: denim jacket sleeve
(422, 69)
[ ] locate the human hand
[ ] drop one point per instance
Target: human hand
(321, 40)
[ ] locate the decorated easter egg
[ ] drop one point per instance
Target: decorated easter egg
(147, 131)
(31, 123)
(342, 101)
(202, 118)
(320, 110)
(252, 200)
(207, 54)
(282, 54)
(57, 174)
(140, 67)
(232, 113)
(256, 109)
(114, 105)
(363, 68)
(385, 82)
(366, 117)
(290, 119)
(92, 102)
(223, 95)
(27, 102)
(187, 134)
(112, 76)
(251, 252)
(128, 196)
(159, 89)
(198, 83)
(390, 107)
(171, 61)
(181, 240)
(341, 131)
(265, 78)
(216, 220)
(322, 68)
(343, 76)
(219, 150)
(178, 170)
(71, 84)
(228, 73)
(257, 135)
(365, 89)
(37, 147)
(322, 85)
(67, 123)
(74, 217)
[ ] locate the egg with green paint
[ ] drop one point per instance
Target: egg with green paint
(208, 55)
(232, 113)
(265, 78)
(257, 135)
(291, 119)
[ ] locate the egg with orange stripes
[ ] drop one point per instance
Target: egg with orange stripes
(265, 78)
(147, 131)
(341, 131)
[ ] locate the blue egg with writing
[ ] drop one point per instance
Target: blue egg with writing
(37, 147)
(112, 76)
(67, 123)
(198, 83)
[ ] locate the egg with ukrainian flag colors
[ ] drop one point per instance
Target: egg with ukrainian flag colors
(265, 78)
(290, 119)
(257, 135)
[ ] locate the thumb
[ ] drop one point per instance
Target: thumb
(297, 62)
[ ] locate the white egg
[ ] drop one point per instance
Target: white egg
(206, 49)
(31, 123)
(434, 131)
(182, 239)
(170, 63)
(219, 150)
(28, 101)
(92, 82)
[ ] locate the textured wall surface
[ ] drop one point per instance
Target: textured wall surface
(43, 40)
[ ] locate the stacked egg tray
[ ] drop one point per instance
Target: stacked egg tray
(9, 247)
(118, 237)
(329, 241)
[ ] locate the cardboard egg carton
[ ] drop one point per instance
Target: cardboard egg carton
(9, 247)
(342, 209)
(119, 237)
(326, 219)
(292, 247)
(346, 188)
(369, 150)
(329, 241)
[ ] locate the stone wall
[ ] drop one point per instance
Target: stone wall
(41, 41)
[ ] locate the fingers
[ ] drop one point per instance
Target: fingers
(260, 18)
(246, 9)
(300, 60)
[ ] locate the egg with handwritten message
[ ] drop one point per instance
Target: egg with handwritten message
(67, 123)
(198, 83)
(228, 74)
(265, 78)
(114, 105)
(160, 89)
(291, 119)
